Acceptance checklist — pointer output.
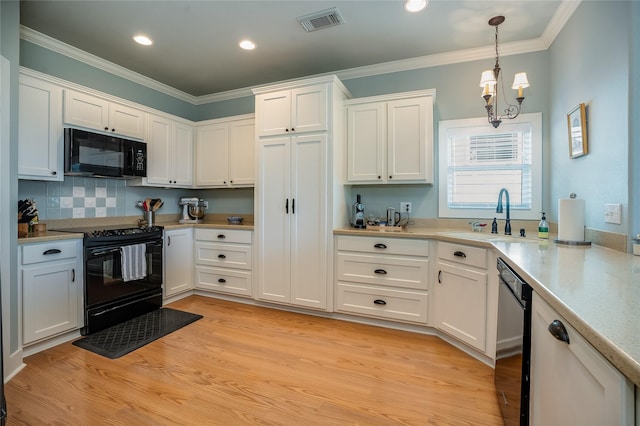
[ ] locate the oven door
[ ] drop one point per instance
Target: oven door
(103, 274)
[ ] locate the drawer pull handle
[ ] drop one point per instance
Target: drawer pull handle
(380, 246)
(222, 280)
(557, 330)
(379, 302)
(222, 256)
(459, 254)
(52, 251)
(73, 275)
(221, 236)
(440, 277)
(380, 271)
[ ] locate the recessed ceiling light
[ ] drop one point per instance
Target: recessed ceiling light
(415, 5)
(247, 45)
(143, 40)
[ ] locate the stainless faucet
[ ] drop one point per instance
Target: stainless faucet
(507, 225)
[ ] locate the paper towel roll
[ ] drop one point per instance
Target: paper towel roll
(570, 219)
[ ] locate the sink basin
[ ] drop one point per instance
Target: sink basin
(481, 236)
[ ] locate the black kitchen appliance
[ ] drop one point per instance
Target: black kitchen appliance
(109, 297)
(513, 352)
(97, 155)
(357, 214)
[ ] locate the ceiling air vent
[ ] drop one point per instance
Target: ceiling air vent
(323, 19)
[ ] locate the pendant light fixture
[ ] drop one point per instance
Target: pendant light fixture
(489, 84)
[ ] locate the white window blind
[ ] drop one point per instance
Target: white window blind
(477, 161)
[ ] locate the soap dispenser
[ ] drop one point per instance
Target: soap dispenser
(494, 226)
(543, 228)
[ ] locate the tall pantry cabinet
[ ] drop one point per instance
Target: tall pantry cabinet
(299, 191)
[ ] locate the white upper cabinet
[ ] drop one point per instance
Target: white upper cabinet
(92, 112)
(40, 132)
(170, 152)
(292, 111)
(225, 152)
(390, 139)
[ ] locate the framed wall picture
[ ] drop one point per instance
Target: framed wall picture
(577, 124)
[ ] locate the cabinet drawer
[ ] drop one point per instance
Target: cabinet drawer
(465, 255)
(383, 245)
(223, 280)
(405, 272)
(34, 253)
(224, 235)
(382, 303)
(223, 255)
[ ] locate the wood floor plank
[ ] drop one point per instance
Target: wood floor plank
(243, 364)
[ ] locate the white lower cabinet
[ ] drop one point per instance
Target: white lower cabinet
(178, 261)
(571, 383)
(51, 284)
(383, 277)
(462, 294)
(223, 259)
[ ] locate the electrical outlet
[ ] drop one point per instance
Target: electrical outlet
(405, 207)
(613, 213)
(206, 204)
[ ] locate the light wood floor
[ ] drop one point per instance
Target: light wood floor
(243, 364)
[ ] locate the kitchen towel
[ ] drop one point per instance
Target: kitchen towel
(134, 262)
(571, 219)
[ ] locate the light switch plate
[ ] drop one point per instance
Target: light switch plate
(613, 213)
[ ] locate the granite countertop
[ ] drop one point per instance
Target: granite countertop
(596, 289)
(53, 235)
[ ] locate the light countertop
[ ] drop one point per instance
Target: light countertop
(596, 289)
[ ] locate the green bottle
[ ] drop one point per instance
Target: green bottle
(543, 228)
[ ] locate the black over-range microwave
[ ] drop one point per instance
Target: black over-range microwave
(97, 155)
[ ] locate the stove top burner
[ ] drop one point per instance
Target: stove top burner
(94, 233)
(97, 233)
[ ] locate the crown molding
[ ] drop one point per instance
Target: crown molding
(561, 16)
(57, 46)
(558, 20)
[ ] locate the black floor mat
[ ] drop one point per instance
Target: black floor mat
(128, 336)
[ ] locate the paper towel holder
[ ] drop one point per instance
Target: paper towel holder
(573, 243)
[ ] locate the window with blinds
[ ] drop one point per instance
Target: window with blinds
(477, 161)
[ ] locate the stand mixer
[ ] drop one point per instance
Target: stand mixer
(192, 209)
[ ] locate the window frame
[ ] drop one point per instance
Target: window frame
(445, 126)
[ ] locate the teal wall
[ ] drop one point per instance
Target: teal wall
(634, 111)
(580, 66)
(589, 63)
(9, 49)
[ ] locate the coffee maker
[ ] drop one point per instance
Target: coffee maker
(192, 209)
(357, 214)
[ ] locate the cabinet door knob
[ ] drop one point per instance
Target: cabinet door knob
(293, 130)
(54, 172)
(286, 130)
(379, 302)
(557, 330)
(222, 280)
(380, 246)
(380, 271)
(106, 128)
(222, 256)
(390, 177)
(459, 254)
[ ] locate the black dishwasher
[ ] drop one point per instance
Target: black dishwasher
(513, 351)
